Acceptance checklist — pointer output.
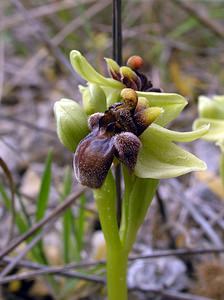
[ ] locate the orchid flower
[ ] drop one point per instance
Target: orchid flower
(123, 118)
(211, 111)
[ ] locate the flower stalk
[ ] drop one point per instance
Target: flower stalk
(116, 255)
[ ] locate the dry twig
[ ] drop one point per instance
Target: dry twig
(28, 247)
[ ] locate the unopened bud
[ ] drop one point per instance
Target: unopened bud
(129, 97)
(135, 62)
(71, 122)
(129, 78)
(113, 68)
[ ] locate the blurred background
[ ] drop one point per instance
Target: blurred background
(181, 42)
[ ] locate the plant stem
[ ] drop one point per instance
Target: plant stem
(116, 256)
(116, 274)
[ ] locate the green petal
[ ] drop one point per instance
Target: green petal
(216, 131)
(160, 158)
(211, 108)
(71, 123)
(112, 95)
(172, 104)
(175, 136)
(93, 98)
(86, 71)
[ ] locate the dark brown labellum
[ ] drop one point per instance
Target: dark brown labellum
(93, 159)
(113, 134)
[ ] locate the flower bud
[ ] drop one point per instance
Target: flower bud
(129, 78)
(146, 117)
(129, 97)
(71, 123)
(135, 62)
(93, 98)
(113, 68)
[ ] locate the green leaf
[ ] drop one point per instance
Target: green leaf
(139, 193)
(71, 123)
(67, 217)
(86, 71)
(41, 207)
(216, 131)
(160, 158)
(79, 226)
(20, 221)
(43, 196)
(172, 104)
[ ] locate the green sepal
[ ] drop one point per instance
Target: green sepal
(71, 121)
(93, 98)
(86, 71)
(175, 136)
(160, 158)
(216, 131)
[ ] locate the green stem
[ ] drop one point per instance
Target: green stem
(116, 256)
(117, 274)
(137, 198)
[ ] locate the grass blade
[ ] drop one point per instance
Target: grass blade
(67, 217)
(43, 196)
(20, 221)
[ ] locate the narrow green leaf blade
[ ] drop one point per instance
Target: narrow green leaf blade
(67, 217)
(43, 196)
(20, 221)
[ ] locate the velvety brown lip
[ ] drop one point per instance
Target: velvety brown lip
(113, 134)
